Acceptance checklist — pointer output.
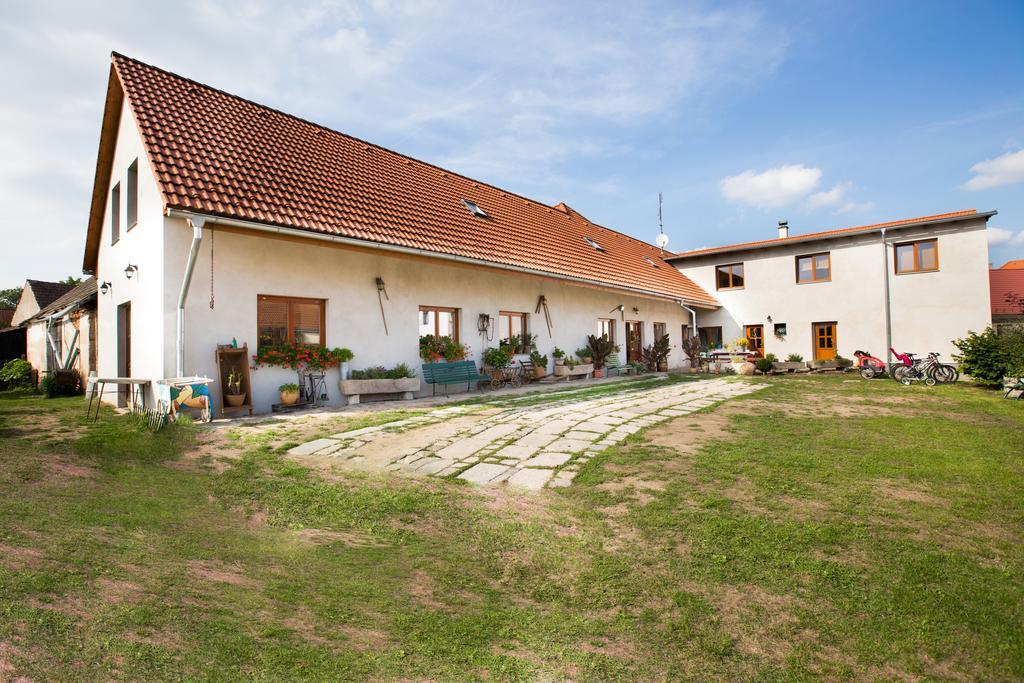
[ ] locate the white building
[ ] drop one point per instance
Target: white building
(215, 219)
(914, 284)
(270, 229)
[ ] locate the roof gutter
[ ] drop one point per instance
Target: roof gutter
(337, 239)
(811, 238)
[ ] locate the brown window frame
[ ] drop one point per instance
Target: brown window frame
(814, 279)
(706, 341)
(611, 328)
(664, 330)
(525, 317)
(917, 256)
(291, 300)
(132, 195)
(437, 320)
(732, 276)
(115, 214)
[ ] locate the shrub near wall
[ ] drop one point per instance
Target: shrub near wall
(989, 357)
(16, 374)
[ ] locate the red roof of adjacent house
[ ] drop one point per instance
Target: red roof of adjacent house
(827, 234)
(48, 292)
(218, 154)
(1007, 290)
(1017, 264)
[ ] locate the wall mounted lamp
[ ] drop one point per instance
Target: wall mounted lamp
(104, 287)
(130, 271)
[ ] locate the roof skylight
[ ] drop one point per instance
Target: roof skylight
(474, 209)
(650, 261)
(594, 244)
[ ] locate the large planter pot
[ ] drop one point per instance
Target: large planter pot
(598, 373)
(561, 370)
(539, 372)
(235, 400)
(352, 389)
(788, 366)
(290, 398)
(745, 368)
(344, 369)
(663, 366)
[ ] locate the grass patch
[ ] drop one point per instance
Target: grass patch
(819, 528)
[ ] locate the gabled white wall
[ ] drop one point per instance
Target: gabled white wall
(928, 309)
(141, 245)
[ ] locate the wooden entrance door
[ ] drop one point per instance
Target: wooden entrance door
(124, 348)
(634, 341)
(824, 341)
(755, 333)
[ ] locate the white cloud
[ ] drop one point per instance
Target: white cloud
(829, 197)
(772, 188)
(1001, 236)
(855, 207)
(1003, 170)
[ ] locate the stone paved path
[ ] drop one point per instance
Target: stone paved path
(528, 446)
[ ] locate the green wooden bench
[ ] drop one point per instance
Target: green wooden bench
(455, 372)
(613, 364)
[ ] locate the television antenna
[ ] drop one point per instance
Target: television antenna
(662, 239)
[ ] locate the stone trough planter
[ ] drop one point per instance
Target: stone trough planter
(789, 366)
(582, 370)
(352, 389)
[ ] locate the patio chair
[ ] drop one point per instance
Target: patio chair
(614, 364)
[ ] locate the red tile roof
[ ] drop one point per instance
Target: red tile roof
(1007, 287)
(48, 292)
(1017, 264)
(218, 154)
(826, 234)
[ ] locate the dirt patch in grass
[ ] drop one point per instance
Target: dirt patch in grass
(904, 492)
(61, 469)
(421, 588)
(119, 591)
(20, 557)
(216, 573)
(351, 538)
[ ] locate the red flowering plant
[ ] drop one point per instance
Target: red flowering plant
(434, 349)
(300, 356)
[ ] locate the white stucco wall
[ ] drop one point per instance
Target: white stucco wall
(247, 265)
(36, 343)
(141, 245)
(928, 309)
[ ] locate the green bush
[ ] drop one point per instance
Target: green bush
(61, 383)
(843, 362)
(989, 357)
(500, 357)
(763, 365)
(771, 357)
(16, 374)
(794, 358)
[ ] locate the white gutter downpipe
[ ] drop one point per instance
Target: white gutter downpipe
(693, 318)
(197, 236)
(888, 305)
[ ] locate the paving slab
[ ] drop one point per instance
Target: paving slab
(548, 460)
(530, 478)
(311, 447)
(483, 472)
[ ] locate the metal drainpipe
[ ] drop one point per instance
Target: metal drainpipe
(197, 237)
(888, 305)
(693, 318)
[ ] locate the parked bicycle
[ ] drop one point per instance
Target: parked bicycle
(928, 370)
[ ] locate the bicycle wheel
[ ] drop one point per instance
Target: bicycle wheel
(900, 372)
(943, 374)
(930, 381)
(867, 372)
(905, 381)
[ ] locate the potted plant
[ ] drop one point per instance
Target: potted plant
(233, 390)
(655, 356)
(344, 356)
(289, 393)
(527, 342)
(498, 358)
(600, 348)
(510, 343)
(540, 364)
(559, 356)
(692, 349)
(583, 353)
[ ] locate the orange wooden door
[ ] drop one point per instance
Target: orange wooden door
(755, 334)
(824, 341)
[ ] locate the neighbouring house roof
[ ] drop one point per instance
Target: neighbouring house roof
(40, 294)
(1007, 289)
(1017, 264)
(6, 315)
(831, 234)
(48, 292)
(217, 154)
(82, 293)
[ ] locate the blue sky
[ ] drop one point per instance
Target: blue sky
(825, 114)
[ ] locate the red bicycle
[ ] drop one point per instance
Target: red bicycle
(870, 367)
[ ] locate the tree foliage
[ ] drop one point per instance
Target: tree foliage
(988, 357)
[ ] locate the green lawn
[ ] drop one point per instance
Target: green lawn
(823, 527)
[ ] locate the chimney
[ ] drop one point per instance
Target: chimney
(783, 229)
